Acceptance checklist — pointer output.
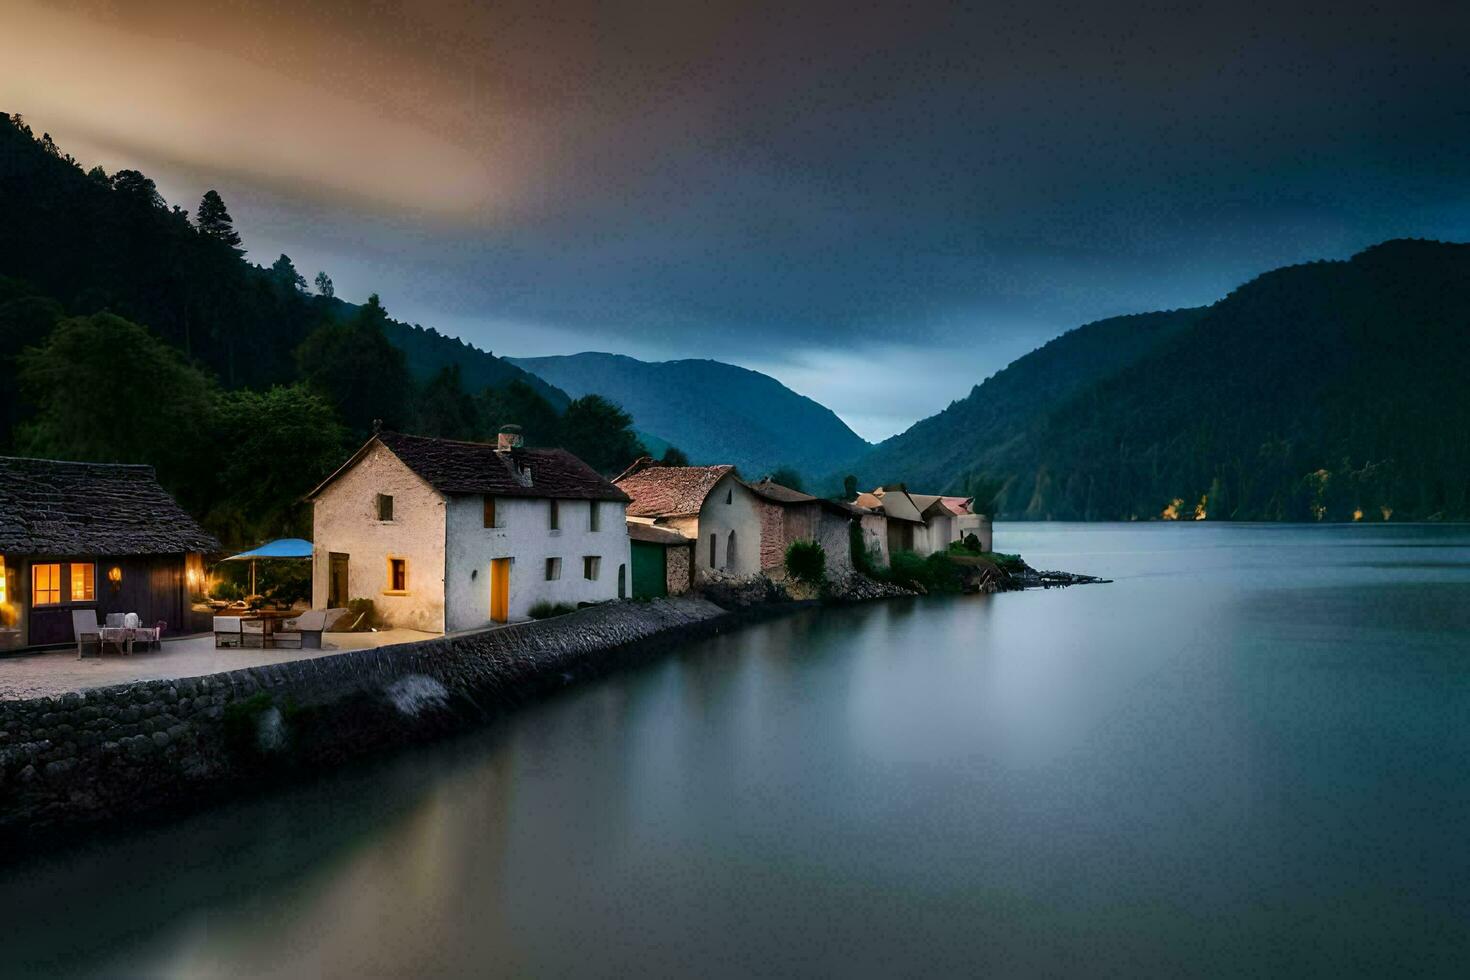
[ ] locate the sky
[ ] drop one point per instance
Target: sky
(878, 204)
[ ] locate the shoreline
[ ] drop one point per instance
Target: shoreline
(151, 750)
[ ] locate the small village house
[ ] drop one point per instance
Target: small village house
(444, 535)
(710, 505)
(789, 515)
(926, 523)
(94, 537)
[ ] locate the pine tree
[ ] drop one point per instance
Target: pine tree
(324, 285)
(215, 221)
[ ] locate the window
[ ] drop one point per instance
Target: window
(45, 585)
(729, 495)
(594, 519)
(397, 576)
(553, 569)
(385, 507)
(591, 565)
(83, 582)
(713, 539)
(555, 515)
(490, 512)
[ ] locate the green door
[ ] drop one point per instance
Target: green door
(650, 578)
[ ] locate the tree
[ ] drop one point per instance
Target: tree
(674, 456)
(517, 403)
(787, 477)
(283, 271)
(214, 220)
(259, 486)
(601, 433)
(444, 409)
(354, 366)
(136, 187)
(849, 487)
(25, 320)
(107, 390)
(324, 285)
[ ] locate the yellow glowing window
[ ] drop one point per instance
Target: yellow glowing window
(397, 575)
(45, 585)
(83, 582)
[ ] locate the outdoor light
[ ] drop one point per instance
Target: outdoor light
(114, 575)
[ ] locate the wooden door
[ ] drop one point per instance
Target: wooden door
(336, 580)
(500, 590)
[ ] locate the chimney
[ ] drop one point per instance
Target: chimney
(509, 438)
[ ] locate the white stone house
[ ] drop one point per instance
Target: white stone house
(709, 504)
(446, 535)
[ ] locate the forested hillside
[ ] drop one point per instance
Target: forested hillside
(135, 331)
(1325, 391)
(714, 412)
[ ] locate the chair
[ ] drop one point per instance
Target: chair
(306, 630)
(114, 620)
(84, 625)
(226, 627)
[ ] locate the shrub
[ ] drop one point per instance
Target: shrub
(806, 562)
(935, 573)
(545, 609)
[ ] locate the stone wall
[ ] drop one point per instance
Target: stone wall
(99, 755)
(677, 570)
(773, 535)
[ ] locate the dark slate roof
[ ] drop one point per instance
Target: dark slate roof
(454, 467)
(776, 493)
(669, 491)
(53, 508)
(639, 531)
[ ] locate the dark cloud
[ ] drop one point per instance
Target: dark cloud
(792, 185)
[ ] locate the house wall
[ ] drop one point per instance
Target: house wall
(525, 536)
(832, 535)
(978, 525)
(741, 515)
(773, 535)
(153, 586)
(938, 533)
(875, 534)
(345, 520)
(678, 569)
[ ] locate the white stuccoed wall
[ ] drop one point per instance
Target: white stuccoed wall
(344, 519)
(526, 538)
(742, 515)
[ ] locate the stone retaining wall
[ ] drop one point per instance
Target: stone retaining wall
(102, 754)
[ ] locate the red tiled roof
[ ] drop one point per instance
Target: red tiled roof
(454, 467)
(669, 491)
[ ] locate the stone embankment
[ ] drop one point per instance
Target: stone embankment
(99, 755)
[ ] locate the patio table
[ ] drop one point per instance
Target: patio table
(125, 636)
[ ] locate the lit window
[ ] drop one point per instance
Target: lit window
(83, 582)
(553, 569)
(397, 575)
(385, 507)
(490, 512)
(594, 520)
(45, 585)
(591, 565)
(555, 515)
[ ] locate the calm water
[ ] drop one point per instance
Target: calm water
(1249, 754)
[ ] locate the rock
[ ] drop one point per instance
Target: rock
(27, 775)
(160, 739)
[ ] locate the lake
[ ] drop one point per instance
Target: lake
(1249, 753)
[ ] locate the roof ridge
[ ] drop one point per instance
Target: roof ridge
(74, 462)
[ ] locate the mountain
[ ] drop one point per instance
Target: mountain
(1332, 390)
(714, 412)
(98, 242)
(943, 452)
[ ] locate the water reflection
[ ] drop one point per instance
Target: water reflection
(1248, 754)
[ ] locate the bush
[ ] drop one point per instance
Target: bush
(545, 609)
(806, 562)
(935, 573)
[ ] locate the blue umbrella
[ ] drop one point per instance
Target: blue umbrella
(280, 548)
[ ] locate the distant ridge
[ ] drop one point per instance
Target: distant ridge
(714, 412)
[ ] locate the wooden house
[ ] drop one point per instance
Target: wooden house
(97, 536)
